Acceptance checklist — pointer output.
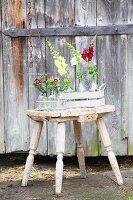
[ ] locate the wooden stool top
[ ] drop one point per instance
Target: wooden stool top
(80, 114)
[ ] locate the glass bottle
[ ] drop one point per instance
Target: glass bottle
(81, 87)
(93, 83)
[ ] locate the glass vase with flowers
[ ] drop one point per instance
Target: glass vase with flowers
(51, 88)
(76, 61)
(87, 55)
(60, 63)
(50, 91)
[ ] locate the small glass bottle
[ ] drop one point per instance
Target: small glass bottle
(81, 87)
(93, 83)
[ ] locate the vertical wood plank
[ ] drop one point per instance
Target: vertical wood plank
(130, 12)
(130, 97)
(15, 80)
(15, 91)
(58, 14)
(85, 15)
(2, 141)
(38, 17)
(130, 78)
(112, 64)
(114, 12)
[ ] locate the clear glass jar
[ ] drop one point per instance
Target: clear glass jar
(41, 102)
(53, 102)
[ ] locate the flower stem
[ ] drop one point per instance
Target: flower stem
(79, 74)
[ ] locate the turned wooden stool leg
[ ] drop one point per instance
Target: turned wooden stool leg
(60, 148)
(33, 146)
(107, 144)
(80, 150)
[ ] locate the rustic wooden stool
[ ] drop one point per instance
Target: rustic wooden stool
(77, 115)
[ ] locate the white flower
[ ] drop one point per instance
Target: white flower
(76, 60)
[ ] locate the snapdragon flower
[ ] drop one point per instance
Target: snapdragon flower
(60, 61)
(76, 60)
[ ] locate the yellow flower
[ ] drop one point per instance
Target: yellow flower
(62, 71)
(60, 63)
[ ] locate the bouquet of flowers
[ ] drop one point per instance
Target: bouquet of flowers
(87, 56)
(51, 85)
(44, 86)
(54, 85)
(57, 85)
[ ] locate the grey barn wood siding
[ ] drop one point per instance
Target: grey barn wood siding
(114, 62)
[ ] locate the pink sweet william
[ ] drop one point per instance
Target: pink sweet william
(56, 80)
(37, 82)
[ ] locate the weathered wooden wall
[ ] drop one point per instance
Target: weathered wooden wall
(114, 61)
(2, 145)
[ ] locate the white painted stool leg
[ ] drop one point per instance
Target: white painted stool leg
(60, 148)
(80, 150)
(107, 144)
(33, 146)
